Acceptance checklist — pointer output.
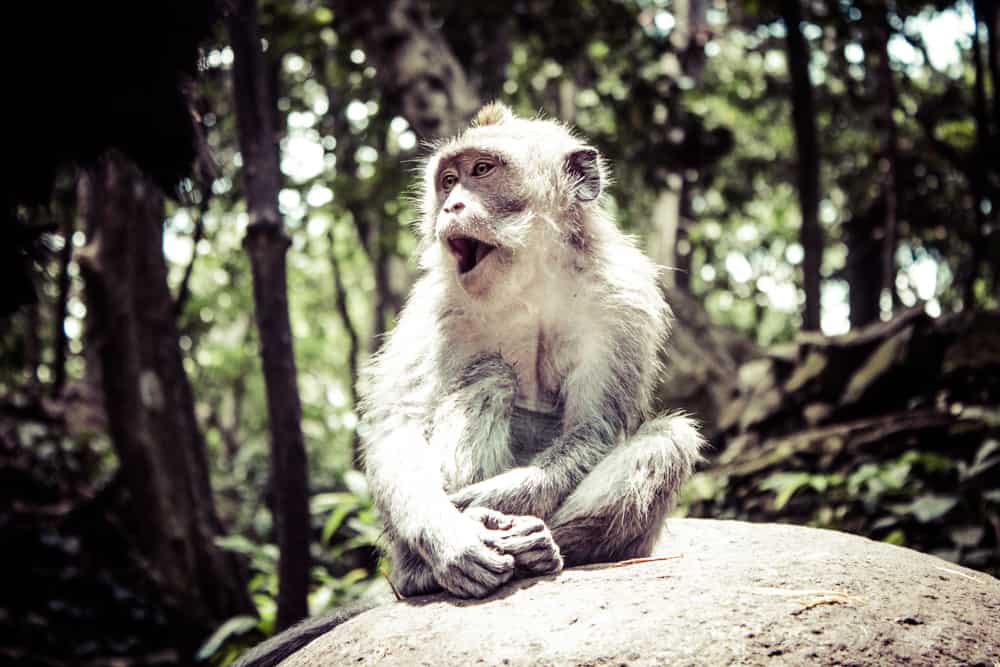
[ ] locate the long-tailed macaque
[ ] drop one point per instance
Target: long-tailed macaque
(506, 422)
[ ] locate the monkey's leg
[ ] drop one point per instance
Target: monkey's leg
(410, 574)
(617, 510)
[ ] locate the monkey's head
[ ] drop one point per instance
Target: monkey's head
(506, 198)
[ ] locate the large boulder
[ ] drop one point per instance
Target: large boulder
(730, 593)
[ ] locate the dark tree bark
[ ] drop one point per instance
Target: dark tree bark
(990, 12)
(690, 40)
(266, 244)
(378, 246)
(979, 180)
(354, 349)
(132, 336)
(669, 242)
(991, 16)
(32, 346)
(889, 160)
(871, 235)
(863, 270)
(62, 301)
(807, 150)
(184, 291)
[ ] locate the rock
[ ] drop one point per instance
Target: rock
(735, 593)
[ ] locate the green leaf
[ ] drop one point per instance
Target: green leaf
(989, 447)
(267, 608)
(336, 519)
(930, 507)
(966, 536)
(784, 484)
(238, 544)
(322, 503)
(237, 625)
(897, 537)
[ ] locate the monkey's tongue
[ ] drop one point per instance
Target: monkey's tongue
(469, 252)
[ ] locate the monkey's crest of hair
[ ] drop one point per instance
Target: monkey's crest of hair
(493, 113)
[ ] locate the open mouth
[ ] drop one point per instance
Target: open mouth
(469, 251)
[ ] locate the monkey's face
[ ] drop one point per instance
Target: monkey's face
(480, 220)
(507, 200)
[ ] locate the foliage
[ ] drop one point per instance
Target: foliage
(891, 432)
(919, 499)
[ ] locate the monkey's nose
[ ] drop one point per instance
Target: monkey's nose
(454, 208)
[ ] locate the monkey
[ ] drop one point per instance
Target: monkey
(505, 424)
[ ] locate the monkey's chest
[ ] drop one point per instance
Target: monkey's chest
(534, 360)
(532, 432)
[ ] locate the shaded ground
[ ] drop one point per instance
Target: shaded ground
(738, 593)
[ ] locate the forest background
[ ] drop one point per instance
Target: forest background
(209, 226)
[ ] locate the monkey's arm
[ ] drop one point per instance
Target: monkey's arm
(404, 470)
(406, 484)
(539, 488)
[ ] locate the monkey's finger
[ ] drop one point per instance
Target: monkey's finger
(460, 587)
(479, 582)
(517, 544)
(461, 500)
(526, 524)
(491, 519)
(539, 560)
(498, 563)
(541, 567)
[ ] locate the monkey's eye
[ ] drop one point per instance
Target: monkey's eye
(482, 168)
(448, 181)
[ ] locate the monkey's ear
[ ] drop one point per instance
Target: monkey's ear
(584, 167)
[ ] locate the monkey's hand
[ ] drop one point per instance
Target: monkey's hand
(526, 538)
(466, 560)
(521, 491)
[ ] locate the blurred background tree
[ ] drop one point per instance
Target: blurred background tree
(798, 167)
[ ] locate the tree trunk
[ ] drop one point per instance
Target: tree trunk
(354, 348)
(669, 243)
(416, 65)
(133, 336)
(991, 16)
(807, 150)
(32, 346)
(266, 244)
(871, 234)
(59, 341)
(979, 178)
(887, 165)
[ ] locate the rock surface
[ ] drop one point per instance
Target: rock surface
(735, 593)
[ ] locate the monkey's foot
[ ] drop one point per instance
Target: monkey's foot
(530, 542)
